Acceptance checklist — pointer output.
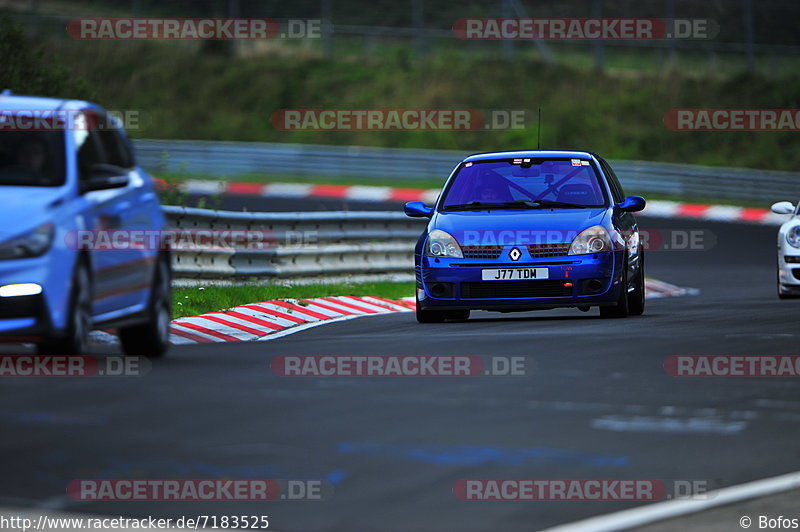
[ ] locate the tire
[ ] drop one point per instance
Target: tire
(428, 316)
(75, 340)
(636, 298)
(151, 339)
(620, 310)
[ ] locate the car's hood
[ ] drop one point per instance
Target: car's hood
(25, 208)
(518, 226)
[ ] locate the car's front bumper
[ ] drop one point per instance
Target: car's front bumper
(573, 281)
(29, 317)
(789, 268)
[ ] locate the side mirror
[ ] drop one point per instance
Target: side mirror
(632, 204)
(783, 207)
(103, 177)
(417, 209)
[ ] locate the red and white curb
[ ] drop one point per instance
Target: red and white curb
(257, 321)
(309, 190)
(655, 208)
(269, 320)
(716, 213)
(655, 289)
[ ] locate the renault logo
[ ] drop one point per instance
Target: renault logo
(514, 254)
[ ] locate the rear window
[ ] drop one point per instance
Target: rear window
(564, 180)
(32, 158)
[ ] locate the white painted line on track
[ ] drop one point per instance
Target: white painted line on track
(660, 511)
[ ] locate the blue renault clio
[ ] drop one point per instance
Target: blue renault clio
(67, 169)
(528, 230)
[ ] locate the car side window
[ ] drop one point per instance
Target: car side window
(90, 152)
(117, 152)
(616, 187)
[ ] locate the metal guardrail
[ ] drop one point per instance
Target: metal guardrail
(230, 159)
(307, 244)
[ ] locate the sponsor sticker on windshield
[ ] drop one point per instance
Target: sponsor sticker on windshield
(585, 163)
(576, 162)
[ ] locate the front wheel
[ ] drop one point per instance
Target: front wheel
(75, 340)
(636, 298)
(151, 338)
(621, 309)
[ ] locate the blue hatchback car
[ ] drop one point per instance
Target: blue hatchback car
(527, 230)
(67, 170)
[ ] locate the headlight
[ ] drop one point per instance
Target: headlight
(592, 240)
(441, 244)
(31, 244)
(793, 236)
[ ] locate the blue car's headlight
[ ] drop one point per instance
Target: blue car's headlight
(592, 240)
(31, 244)
(793, 236)
(441, 244)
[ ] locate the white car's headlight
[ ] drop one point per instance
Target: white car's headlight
(592, 240)
(793, 236)
(441, 244)
(31, 244)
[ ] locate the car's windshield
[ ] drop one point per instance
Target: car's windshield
(525, 183)
(32, 158)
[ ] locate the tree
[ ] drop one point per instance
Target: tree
(25, 69)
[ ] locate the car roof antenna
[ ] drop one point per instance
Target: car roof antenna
(539, 131)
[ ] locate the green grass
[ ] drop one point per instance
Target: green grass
(198, 300)
(191, 90)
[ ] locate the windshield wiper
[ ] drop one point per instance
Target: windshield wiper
(519, 204)
(549, 203)
(481, 205)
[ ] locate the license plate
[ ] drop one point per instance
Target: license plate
(514, 274)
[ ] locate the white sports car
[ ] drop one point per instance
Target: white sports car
(788, 250)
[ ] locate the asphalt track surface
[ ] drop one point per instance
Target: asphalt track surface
(596, 403)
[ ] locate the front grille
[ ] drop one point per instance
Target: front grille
(481, 252)
(796, 273)
(541, 251)
(792, 259)
(507, 289)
